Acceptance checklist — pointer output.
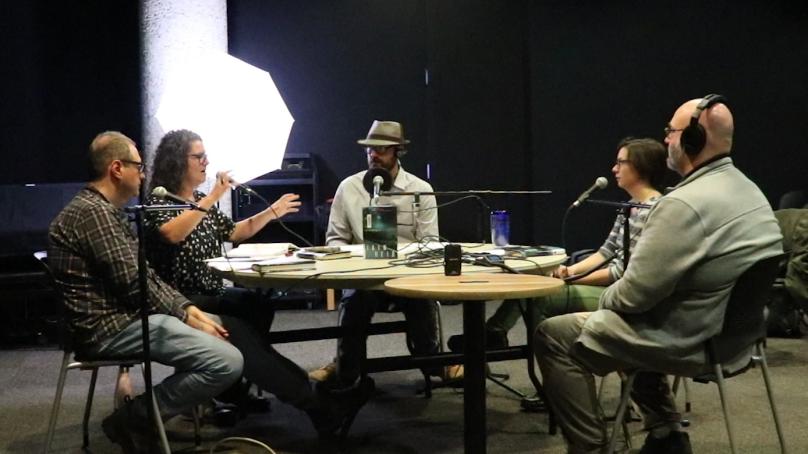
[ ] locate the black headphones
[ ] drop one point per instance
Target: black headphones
(694, 137)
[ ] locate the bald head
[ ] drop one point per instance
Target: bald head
(717, 122)
(105, 148)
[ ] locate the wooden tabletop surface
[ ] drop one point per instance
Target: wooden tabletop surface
(474, 287)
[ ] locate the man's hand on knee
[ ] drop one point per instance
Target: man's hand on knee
(199, 320)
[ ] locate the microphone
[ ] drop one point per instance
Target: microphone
(600, 183)
(376, 180)
(160, 191)
(377, 184)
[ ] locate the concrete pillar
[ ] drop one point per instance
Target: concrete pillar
(171, 31)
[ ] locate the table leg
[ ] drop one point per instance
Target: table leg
(531, 369)
(474, 380)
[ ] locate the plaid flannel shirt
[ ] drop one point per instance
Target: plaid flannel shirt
(93, 255)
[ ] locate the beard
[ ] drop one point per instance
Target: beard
(674, 159)
(379, 164)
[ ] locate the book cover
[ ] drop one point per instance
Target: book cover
(314, 255)
(290, 263)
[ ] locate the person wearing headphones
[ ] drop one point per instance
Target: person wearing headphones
(698, 239)
(384, 145)
(639, 169)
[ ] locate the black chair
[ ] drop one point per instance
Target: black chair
(793, 199)
(744, 327)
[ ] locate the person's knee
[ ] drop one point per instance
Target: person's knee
(227, 363)
(557, 331)
(231, 364)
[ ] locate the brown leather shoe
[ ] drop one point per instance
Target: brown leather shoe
(324, 373)
(452, 373)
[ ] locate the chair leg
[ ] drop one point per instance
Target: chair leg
(685, 384)
(57, 401)
(196, 411)
(621, 411)
(161, 430)
(601, 386)
(719, 374)
(87, 409)
(764, 368)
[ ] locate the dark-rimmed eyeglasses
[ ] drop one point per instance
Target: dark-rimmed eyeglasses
(669, 129)
(199, 156)
(621, 162)
(141, 166)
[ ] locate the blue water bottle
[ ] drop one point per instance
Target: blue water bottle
(500, 227)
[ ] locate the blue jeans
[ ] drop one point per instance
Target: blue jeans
(203, 365)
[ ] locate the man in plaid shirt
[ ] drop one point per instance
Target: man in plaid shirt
(93, 254)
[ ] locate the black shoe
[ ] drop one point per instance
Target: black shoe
(338, 407)
(239, 394)
(494, 339)
(675, 443)
(132, 432)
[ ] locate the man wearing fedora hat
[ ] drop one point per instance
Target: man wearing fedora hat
(384, 145)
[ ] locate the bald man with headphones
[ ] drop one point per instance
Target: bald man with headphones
(697, 240)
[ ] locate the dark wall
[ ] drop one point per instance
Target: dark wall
(531, 95)
(603, 71)
(68, 70)
(521, 94)
(340, 65)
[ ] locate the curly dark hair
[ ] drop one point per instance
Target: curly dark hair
(171, 159)
(649, 159)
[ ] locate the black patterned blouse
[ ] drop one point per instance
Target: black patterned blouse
(182, 265)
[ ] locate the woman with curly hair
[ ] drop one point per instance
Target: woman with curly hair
(182, 240)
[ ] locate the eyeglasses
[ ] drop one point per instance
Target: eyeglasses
(199, 156)
(381, 149)
(141, 166)
(669, 129)
(620, 162)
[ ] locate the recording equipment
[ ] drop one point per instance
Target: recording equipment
(694, 137)
(600, 183)
(451, 260)
(160, 191)
(376, 180)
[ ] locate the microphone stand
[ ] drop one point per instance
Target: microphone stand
(139, 211)
(625, 207)
(482, 205)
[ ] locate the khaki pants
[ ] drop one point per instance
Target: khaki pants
(567, 369)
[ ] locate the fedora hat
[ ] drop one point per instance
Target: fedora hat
(384, 133)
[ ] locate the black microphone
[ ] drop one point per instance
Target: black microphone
(376, 180)
(160, 191)
(600, 183)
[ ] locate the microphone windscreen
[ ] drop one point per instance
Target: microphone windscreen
(601, 182)
(370, 176)
(159, 191)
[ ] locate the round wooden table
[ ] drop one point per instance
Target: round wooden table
(474, 290)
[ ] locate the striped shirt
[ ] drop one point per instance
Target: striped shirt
(613, 246)
(93, 255)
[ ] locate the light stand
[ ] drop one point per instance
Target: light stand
(142, 266)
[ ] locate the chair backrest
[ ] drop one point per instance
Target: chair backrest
(744, 318)
(793, 199)
(65, 336)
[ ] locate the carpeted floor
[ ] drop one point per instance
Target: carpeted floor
(397, 420)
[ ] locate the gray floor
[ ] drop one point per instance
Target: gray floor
(397, 420)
